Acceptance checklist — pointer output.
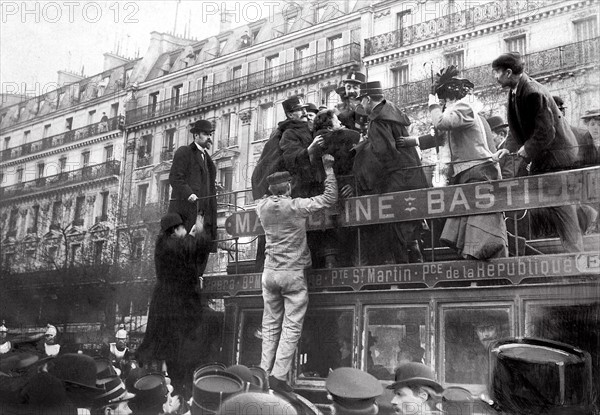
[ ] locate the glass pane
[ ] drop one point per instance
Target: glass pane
(394, 336)
(467, 334)
(326, 342)
(576, 325)
(250, 342)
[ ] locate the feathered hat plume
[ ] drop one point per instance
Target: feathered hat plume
(448, 78)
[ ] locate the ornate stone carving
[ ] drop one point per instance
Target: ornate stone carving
(245, 116)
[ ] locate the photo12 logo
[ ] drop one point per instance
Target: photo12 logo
(68, 11)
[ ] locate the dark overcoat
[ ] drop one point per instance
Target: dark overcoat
(536, 123)
(270, 161)
(190, 174)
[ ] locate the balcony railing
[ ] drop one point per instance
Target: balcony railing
(98, 171)
(60, 139)
(149, 212)
(465, 19)
(309, 65)
(228, 142)
(166, 154)
(539, 63)
(143, 161)
(263, 134)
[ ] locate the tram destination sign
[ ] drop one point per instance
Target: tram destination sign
(555, 189)
(425, 275)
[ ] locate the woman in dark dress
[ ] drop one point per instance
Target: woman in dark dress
(175, 309)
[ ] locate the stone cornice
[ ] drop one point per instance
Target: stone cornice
(484, 29)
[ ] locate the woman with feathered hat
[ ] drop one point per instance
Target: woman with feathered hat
(471, 160)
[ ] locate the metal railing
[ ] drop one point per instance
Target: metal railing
(228, 142)
(300, 67)
(465, 19)
(536, 64)
(149, 212)
(60, 139)
(98, 171)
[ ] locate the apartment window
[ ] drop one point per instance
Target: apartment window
(85, 158)
(142, 194)
(301, 52)
(266, 118)
(128, 73)
(225, 130)
(457, 59)
(40, 170)
(169, 140)
(46, 132)
(153, 102)
(20, 175)
(114, 110)
(222, 44)
(203, 81)
(236, 72)
(586, 29)
(334, 42)
(6, 143)
(104, 209)
(12, 222)
(176, 95)
(91, 115)
(75, 254)
(137, 248)
(52, 251)
(226, 178)
(98, 249)
(69, 124)
(165, 189)
(400, 75)
(56, 211)
(289, 23)
(41, 105)
(62, 162)
(79, 211)
(108, 153)
(516, 44)
(26, 136)
(35, 218)
(272, 61)
(146, 146)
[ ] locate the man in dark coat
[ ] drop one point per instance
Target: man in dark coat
(193, 179)
(541, 135)
(395, 170)
(349, 93)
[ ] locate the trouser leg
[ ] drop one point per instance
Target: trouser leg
(271, 323)
(567, 226)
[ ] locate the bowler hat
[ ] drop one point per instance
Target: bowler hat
(312, 108)
(279, 177)
(170, 220)
(77, 369)
(591, 114)
(150, 391)
(496, 122)
(257, 403)
(113, 391)
(201, 126)
(370, 89)
(353, 389)
(417, 374)
(355, 77)
(293, 103)
(17, 360)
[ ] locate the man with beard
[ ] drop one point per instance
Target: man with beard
(380, 167)
(349, 93)
(541, 135)
(192, 177)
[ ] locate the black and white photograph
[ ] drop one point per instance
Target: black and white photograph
(289, 207)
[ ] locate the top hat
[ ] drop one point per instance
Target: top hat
(170, 220)
(279, 177)
(591, 114)
(355, 77)
(352, 388)
(150, 391)
(113, 391)
(293, 103)
(201, 126)
(312, 108)
(258, 403)
(496, 122)
(370, 89)
(416, 374)
(77, 369)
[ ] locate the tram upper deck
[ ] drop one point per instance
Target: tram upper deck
(443, 311)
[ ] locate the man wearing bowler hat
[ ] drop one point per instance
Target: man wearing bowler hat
(193, 179)
(284, 288)
(416, 392)
(389, 169)
(540, 135)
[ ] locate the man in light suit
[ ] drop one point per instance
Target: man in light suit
(193, 180)
(541, 135)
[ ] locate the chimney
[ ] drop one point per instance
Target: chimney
(226, 21)
(112, 61)
(65, 77)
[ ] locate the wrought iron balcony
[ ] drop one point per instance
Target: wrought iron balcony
(465, 19)
(86, 174)
(60, 139)
(343, 55)
(566, 57)
(263, 134)
(228, 142)
(166, 154)
(144, 160)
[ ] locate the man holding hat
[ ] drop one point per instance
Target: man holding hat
(416, 392)
(540, 135)
(193, 179)
(390, 169)
(284, 288)
(353, 392)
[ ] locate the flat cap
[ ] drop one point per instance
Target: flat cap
(351, 386)
(591, 114)
(279, 177)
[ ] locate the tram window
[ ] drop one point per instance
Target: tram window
(326, 342)
(576, 325)
(467, 334)
(394, 336)
(250, 341)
